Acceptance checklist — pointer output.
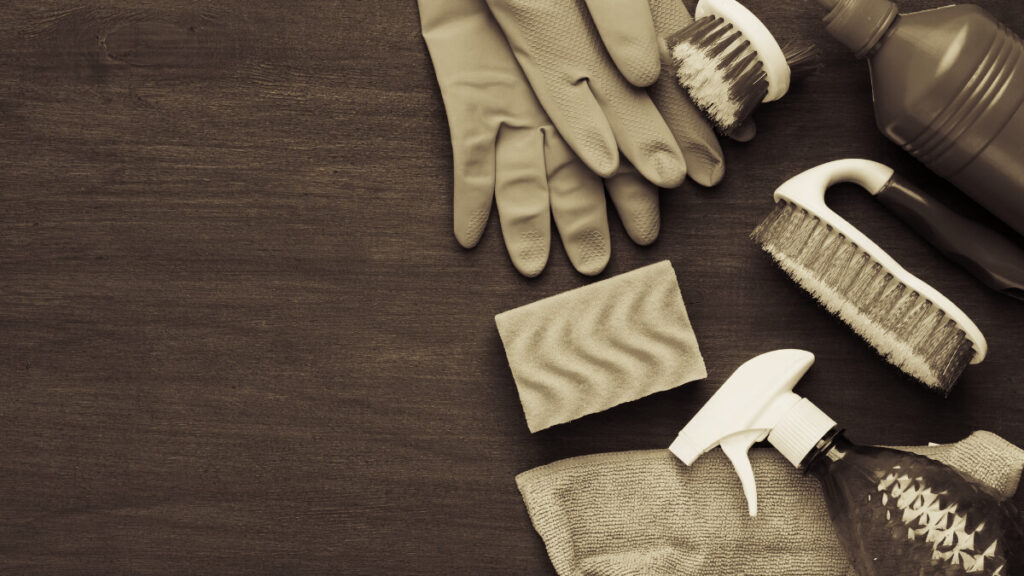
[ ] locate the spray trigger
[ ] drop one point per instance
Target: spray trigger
(743, 411)
(736, 448)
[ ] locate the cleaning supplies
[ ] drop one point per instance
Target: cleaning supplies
(506, 150)
(729, 63)
(948, 86)
(581, 56)
(895, 512)
(600, 345)
(987, 255)
(643, 512)
(909, 323)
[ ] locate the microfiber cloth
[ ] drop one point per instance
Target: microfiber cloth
(645, 512)
(595, 347)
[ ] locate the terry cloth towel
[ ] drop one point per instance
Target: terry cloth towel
(595, 347)
(645, 512)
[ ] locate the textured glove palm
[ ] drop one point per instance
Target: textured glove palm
(505, 149)
(586, 61)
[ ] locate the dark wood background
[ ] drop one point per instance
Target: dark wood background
(238, 336)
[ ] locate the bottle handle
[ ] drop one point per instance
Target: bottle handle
(987, 255)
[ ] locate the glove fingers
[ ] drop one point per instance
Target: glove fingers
(705, 162)
(473, 163)
(642, 134)
(636, 201)
(479, 81)
(521, 191)
(555, 44)
(578, 206)
(669, 16)
(639, 128)
(627, 30)
(585, 128)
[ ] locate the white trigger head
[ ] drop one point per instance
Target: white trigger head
(743, 411)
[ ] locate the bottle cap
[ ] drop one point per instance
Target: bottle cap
(799, 430)
(859, 24)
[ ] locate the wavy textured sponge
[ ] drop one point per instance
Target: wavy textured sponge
(601, 345)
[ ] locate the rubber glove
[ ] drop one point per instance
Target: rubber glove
(506, 149)
(581, 57)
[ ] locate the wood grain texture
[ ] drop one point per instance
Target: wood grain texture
(238, 336)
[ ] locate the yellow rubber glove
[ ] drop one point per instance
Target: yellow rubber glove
(587, 61)
(506, 149)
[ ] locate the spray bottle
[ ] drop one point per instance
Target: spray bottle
(948, 86)
(896, 513)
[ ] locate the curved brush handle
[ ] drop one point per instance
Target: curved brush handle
(987, 255)
(807, 191)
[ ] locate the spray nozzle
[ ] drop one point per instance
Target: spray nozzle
(755, 403)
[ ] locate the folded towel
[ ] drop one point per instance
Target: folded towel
(645, 512)
(595, 347)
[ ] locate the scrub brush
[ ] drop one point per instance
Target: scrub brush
(909, 323)
(728, 62)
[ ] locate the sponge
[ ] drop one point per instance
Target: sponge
(601, 345)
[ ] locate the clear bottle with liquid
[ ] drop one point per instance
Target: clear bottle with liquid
(948, 86)
(901, 514)
(896, 513)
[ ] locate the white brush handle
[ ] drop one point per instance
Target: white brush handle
(807, 190)
(761, 40)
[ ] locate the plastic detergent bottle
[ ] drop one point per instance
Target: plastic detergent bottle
(896, 513)
(948, 87)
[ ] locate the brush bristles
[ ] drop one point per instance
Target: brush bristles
(904, 327)
(719, 70)
(803, 59)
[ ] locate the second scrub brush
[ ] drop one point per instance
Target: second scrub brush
(728, 62)
(910, 323)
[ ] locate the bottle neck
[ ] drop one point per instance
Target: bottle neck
(861, 25)
(831, 448)
(799, 429)
(888, 31)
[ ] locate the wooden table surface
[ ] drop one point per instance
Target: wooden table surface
(237, 334)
